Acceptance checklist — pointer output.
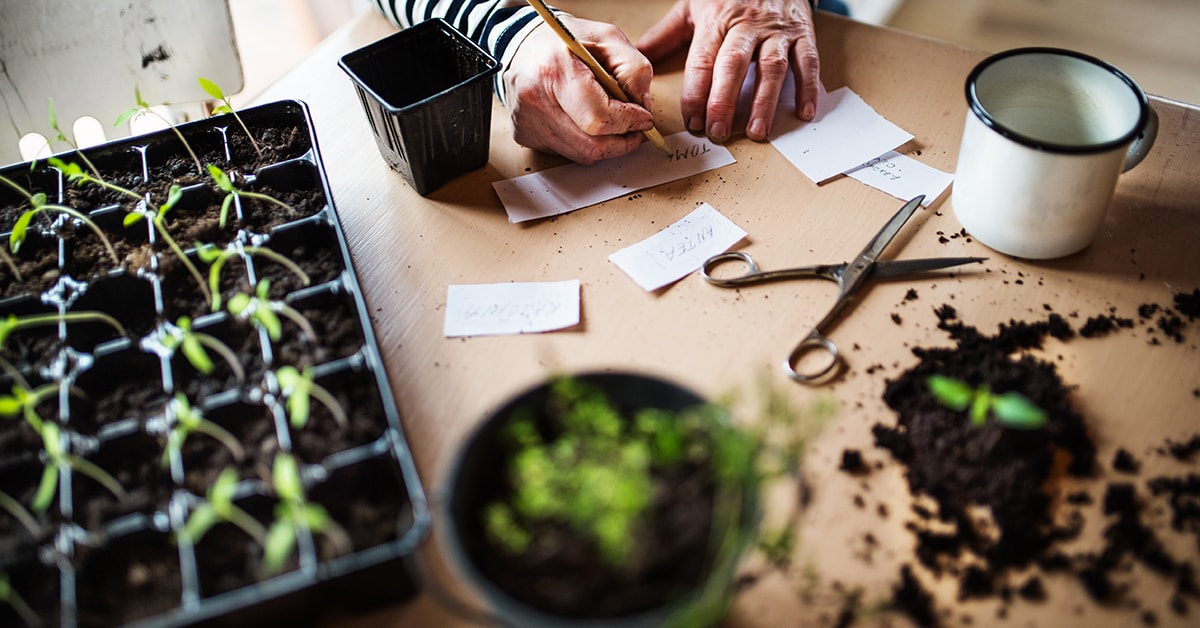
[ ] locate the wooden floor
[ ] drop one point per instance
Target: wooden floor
(1157, 42)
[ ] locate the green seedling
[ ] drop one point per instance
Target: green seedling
(144, 108)
(215, 91)
(77, 175)
(19, 513)
(219, 507)
(259, 309)
(20, 230)
(232, 193)
(9, 596)
(195, 346)
(189, 420)
(216, 259)
(16, 323)
(62, 137)
(159, 220)
(293, 514)
(1011, 409)
(58, 458)
(298, 389)
(24, 400)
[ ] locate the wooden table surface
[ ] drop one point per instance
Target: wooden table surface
(407, 249)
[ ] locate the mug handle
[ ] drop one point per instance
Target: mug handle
(1143, 142)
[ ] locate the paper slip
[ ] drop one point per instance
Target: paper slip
(903, 177)
(573, 186)
(511, 308)
(678, 250)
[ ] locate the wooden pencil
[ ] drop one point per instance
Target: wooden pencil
(606, 80)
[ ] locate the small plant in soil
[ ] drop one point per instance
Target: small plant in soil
(16, 323)
(262, 311)
(10, 597)
(195, 347)
(234, 194)
(187, 420)
(20, 230)
(174, 195)
(62, 137)
(293, 514)
(217, 258)
(218, 507)
(58, 457)
(144, 108)
(298, 389)
(215, 91)
(1010, 409)
(19, 514)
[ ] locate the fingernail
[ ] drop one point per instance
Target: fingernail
(809, 111)
(758, 128)
(696, 124)
(717, 132)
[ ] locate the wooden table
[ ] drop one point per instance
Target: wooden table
(407, 249)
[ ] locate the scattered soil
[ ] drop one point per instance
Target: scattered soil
(996, 520)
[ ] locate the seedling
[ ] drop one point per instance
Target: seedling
(292, 514)
(181, 337)
(62, 137)
(20, 514)
(17, 323)
(232, 193)
(143, 108)
(38, 202)
(76, 174)
(216, 259)
(1011, 409)
(298, 388)
(215, 91)
(219, 507)
(58, 458)
(188, 420)
(174, 195)
(259, 309)
(9, 595)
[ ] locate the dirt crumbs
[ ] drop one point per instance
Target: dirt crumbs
(989, 509)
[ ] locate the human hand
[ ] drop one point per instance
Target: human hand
(556, 104)
(726, 37)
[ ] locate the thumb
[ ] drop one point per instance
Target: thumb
(671, 33)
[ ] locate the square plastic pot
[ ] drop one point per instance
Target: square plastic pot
(426, 91)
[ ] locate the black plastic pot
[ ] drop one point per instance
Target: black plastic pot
(111, 404)
(478, 470)
(426, 91)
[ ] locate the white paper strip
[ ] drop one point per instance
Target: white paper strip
(678, 250)
(903, 177)
(573, 186)
(511, 308)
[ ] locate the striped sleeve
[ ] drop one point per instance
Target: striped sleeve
(499, 26)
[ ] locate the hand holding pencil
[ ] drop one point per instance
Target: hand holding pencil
(558, 105)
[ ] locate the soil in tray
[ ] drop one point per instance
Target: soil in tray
(1013, 476)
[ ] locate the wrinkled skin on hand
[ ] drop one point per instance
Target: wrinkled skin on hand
(556, 104)
(726, 37)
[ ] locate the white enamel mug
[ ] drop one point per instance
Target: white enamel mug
(1048, 132)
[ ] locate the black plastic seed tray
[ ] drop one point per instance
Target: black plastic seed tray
(94, 377)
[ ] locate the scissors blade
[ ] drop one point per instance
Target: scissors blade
(889, 231)
(896, 268)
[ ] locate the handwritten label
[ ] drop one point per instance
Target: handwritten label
(844, 133)
(678, 250)
(574, 186)
(511, 308)
(903, 177)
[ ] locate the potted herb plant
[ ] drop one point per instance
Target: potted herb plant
(605, 499)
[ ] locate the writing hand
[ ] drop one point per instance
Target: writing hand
(726, 37)
(557, 106)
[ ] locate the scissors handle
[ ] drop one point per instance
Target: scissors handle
(815, 342)
(752, 274)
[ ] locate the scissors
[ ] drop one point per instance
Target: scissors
(850, 277)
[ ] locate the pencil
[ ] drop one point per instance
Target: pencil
(606, 80)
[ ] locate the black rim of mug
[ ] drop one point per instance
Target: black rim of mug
(986, 118)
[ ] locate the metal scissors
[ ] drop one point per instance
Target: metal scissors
(850, 277)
